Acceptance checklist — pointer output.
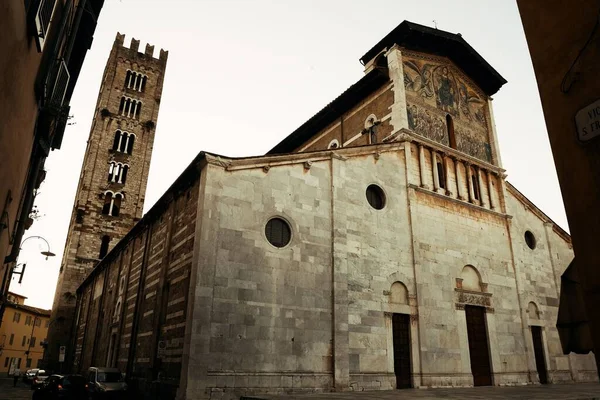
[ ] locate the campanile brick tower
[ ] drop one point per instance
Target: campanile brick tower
(112, 185)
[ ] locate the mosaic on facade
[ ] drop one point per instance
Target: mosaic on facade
(434, 90)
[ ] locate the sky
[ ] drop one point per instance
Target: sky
(242, 75)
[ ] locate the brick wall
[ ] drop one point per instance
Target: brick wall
(88, 223)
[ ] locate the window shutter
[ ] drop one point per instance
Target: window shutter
(60, 85)
(43, 16)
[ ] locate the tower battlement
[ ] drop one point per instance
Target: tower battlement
(134, 46)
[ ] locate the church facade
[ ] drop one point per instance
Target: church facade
(378, 246)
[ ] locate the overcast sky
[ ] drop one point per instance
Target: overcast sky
(242, 75)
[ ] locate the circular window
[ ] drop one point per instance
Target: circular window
(530, 240)
(278, 232)
(375, 197)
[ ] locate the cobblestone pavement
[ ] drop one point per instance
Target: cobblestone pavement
(8, 392)
(582, 391)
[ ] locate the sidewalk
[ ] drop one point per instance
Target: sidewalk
(8, 392)
(581, 391)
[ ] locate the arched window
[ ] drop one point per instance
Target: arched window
(117, 172)
(117, 141)
(108, 196)
(104, 246)
(441, 172)
(123, 177)
(450, 127)
(112, 203)
(138, 109)
(130, 141)
(116, 207)
(130, 108)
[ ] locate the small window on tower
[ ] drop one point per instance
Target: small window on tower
(104, 246)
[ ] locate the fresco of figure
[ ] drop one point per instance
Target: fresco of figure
(446, 92)
(421, 82)
(411, 112)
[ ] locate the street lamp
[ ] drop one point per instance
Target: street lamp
(46, 253)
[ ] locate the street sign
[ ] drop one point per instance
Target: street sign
(61, 353)
(588, 121)
(162, 346)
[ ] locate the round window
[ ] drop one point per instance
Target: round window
(530, 240)
(375, 197)
(278, 232)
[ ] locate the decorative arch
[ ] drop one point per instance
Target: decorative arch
(398, 293)
(471, 290)
(471, 279)
(533, 310)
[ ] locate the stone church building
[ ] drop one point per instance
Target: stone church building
(378, 246)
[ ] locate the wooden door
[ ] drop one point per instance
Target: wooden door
(538, 349)
(478, 346)
(401, 332)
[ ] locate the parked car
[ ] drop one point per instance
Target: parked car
(62, 387)
(39, 378)
(106, 383)
(28, 376)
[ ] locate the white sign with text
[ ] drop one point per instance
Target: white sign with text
(588, 121)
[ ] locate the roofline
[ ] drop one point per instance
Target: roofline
(407, 33)
(365, 86)
(539, 213)
(182, 183)
(33, 310)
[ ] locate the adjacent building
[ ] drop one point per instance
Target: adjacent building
(43, 45)
(564, 43)
(112, 185)
(378, 246)
(22, 335)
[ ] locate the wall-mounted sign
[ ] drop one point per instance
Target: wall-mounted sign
(588, 121)
(61, 353)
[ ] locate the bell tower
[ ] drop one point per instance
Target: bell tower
(112, 185)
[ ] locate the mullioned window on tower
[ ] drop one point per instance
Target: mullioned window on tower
(123, 142)
(130, 108)
(112, 203)
(136, 81)
(117, 172)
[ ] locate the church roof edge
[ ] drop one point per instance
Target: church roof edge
(435, 41)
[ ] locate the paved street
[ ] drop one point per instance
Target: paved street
(562, 392)
(8, 392)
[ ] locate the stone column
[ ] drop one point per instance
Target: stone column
(459, 191)
(480, 187)
(447, 169)
(491, 190)
(422, 166)
(436, 178)
(470, 183)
